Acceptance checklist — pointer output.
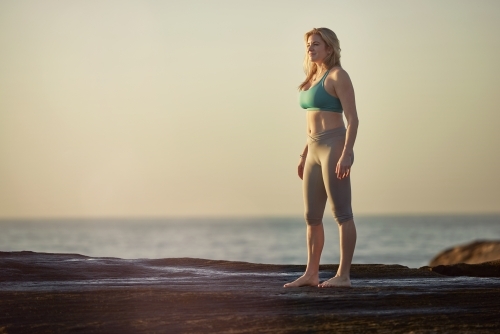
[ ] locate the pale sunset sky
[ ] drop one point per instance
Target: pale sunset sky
(190, 108)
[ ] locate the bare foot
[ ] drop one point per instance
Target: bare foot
(303, 280)
(336, 282)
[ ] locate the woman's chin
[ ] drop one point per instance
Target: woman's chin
(314, 59)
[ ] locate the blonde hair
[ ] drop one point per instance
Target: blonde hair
(331, 60)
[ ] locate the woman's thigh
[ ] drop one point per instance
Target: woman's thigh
(338, 190)
(314, 192)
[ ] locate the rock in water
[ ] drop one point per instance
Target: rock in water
(473, 253)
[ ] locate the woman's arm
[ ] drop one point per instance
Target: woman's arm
(300, 168)
(345, 92)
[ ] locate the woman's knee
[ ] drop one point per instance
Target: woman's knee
(343, 216)
(313, 221)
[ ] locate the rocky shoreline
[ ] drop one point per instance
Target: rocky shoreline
(61, 293)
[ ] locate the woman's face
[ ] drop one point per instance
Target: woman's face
(316, 49)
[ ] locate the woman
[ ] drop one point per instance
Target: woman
(326, 161)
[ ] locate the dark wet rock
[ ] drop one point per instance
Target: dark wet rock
(472, 253)
(30, 266)
(62, 293)
(486, 269)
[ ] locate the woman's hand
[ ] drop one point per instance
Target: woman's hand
(300, 168)
(343, 167)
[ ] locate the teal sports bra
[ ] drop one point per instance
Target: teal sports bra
(317, 98)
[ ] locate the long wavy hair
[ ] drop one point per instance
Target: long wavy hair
(333, 59)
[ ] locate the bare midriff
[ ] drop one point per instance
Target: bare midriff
(319, 121)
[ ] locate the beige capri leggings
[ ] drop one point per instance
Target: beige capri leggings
(320, 181)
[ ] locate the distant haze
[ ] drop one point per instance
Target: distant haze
(190, 108)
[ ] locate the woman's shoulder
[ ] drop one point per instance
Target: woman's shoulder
(338, 73)
(337, 70)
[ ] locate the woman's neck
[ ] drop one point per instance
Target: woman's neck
(321, 68)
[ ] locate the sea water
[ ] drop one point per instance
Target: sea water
(408, 240)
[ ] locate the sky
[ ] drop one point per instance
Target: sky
(190, 108)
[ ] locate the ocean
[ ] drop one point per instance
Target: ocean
(407, 240)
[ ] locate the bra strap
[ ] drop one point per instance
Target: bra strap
(324, 76)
